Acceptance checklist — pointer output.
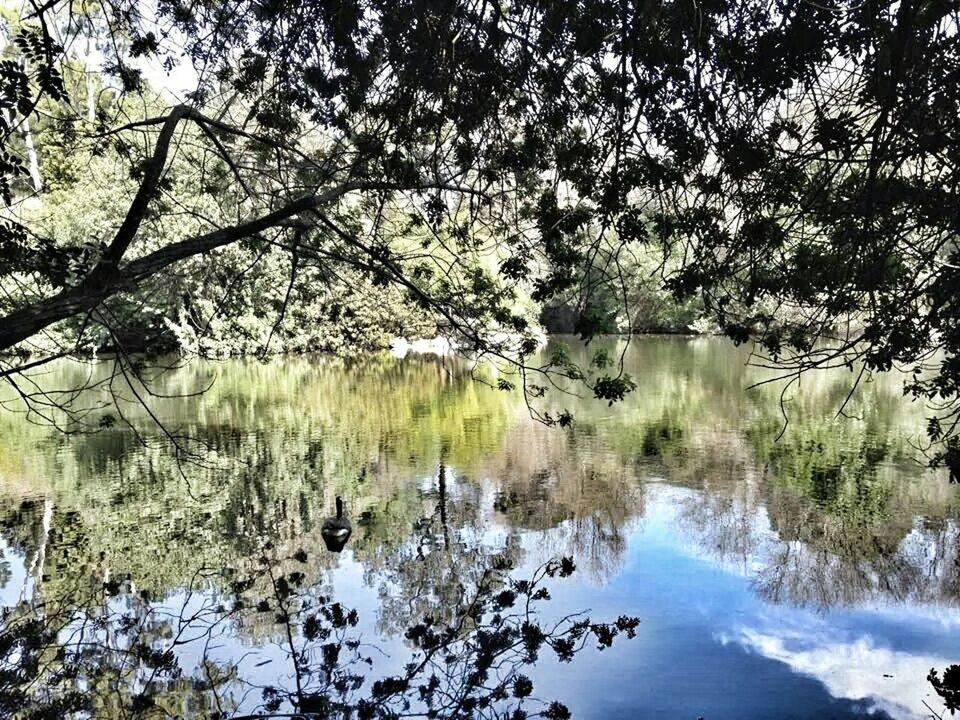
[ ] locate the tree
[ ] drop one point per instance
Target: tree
(794, 161)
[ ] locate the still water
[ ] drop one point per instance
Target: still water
(182, 572)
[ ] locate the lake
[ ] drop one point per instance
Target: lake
(763, 569)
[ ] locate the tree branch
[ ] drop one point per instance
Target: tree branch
(99, 285)
(148, 188)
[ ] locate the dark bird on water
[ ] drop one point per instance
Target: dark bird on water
(336, 530)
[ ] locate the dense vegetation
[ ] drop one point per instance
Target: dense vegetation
(787, 171)
(247, 300)
(297, 175)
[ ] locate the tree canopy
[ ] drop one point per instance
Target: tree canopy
(792, 164)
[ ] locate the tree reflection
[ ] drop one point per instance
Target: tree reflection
(798, 553)
(947, 687)
(578, 500)
(135, 658)
(449, 486)
(438, 472)
(443, 555)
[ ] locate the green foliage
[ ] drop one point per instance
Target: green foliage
(619, 289)
(254, 314)
(613, 389)
(587, 155)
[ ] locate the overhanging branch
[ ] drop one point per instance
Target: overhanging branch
(105, 281)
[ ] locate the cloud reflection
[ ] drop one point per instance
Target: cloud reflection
(889, 680)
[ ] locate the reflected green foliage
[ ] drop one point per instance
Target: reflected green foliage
(441, 473)
(281, 445)
(418, 449)
(848, 465)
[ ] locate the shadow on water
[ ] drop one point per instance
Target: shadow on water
(135, 586)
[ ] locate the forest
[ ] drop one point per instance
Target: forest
(543, 191)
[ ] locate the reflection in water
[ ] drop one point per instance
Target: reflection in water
(123, 655)
(803, 556)
(849, 669)
(749, 558)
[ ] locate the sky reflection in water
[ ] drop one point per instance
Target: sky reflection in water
(815, 577)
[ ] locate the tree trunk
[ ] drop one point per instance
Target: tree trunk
(442, 483)
(106, 281)
(33, 160)
(35, 571)
(89, 83)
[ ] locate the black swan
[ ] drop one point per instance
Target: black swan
(336, 530)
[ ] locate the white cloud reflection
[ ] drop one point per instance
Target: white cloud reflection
(888, 680)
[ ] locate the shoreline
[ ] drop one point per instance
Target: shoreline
(398, 347)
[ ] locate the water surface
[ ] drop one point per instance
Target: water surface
(812, 576)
